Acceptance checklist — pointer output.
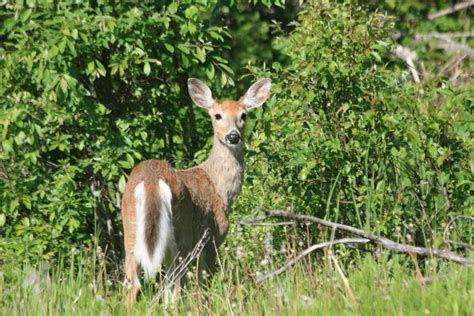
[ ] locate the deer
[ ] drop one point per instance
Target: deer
(166, 211)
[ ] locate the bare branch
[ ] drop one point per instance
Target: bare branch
(442, 36)
(253, 220)
(382, 241)
(257, 221)
(457, 47)
(454, 8)
(446, 42)
(409, 57)
(460, 244)
(307, 251)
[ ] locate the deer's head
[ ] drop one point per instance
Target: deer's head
(228, 117)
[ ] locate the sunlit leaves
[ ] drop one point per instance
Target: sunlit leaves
(341, 113)
(84, 96)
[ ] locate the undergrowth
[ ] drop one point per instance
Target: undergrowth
(89, 283)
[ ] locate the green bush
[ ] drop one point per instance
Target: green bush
(347, 137)
(88, 90)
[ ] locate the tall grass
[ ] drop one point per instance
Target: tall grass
(90, 284)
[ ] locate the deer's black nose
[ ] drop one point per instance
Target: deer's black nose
(233, 138)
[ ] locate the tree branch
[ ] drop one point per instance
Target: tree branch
(457, 47)
(378, 240)
(306, 252)
(454, 8)
(409, 57)
(442, 36)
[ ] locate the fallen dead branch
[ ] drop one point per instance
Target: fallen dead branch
(454, 8)
(459, 244)
(442, 36)
(306, 252)
(378, 240)
(446, 43)
(457, 47)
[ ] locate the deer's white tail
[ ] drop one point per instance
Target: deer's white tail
(155, 234)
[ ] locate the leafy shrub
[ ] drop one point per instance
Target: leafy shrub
(346, 137)
(88, 90)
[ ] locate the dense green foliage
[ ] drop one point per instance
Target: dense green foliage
(346, 137)
(88, 89)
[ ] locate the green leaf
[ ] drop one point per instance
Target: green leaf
(53, 52)
(25, 15)
(169, 47)
(227, 68)
(210, 71)
(122, 183)
(100, 68)
(307, 169)
(223, 79)
(20, 138)
(63, 85)
(183, 48)
(200, 54)
(192, 28)
(130, 160)
(146, 68)
(125, 164)
(90, 67)
(191, 12)
(173, 7)
(102, 109)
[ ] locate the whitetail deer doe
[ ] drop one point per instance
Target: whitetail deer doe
(165, 212)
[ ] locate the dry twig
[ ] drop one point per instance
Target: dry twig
(180, 269)
(454, 8)
(446, 42)
(460, 244)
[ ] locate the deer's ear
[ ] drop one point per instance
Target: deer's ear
(257, 94)
(200, 93)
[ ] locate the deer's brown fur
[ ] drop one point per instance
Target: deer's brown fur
(200, 196)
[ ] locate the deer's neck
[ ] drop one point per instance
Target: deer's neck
(225, 167)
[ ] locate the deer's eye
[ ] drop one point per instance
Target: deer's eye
(218, 116)
(243, 116)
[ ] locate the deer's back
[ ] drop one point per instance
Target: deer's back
(196, 205)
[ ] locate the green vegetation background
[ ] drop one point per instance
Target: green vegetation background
(90, 88)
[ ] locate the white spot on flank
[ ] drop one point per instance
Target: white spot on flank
(165, 239)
